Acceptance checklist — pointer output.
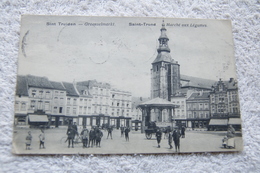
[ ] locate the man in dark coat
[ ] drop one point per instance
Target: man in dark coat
(183, 132)
(99, 135)
(92, 137)
(127, 130)
(84, 135)
(176, 138)
(158, 137)
(122, 128)
(109, 132)
(71, 135)
(75, 128)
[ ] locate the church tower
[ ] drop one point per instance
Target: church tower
(165, 72)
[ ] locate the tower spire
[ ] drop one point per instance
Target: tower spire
(163, 40)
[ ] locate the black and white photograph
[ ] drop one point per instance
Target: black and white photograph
(125, 85)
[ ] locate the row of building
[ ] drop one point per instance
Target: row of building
(207, 105)
(60, 103)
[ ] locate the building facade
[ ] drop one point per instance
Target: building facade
(198, 110)
(224, 105)
(88, 103)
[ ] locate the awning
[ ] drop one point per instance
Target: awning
(218, 122)
(234, 121)
(38, 118)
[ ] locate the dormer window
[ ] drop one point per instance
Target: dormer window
(33, 93)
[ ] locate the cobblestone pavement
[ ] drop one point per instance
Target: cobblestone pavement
(195, 141)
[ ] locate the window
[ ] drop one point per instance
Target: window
(56, 93)
(17, 106)
(23, 106)
(80, 110)
(32, 104)
(40, 104)
(55, 100)
(85, 110)
(74, 101)
(33, 93)
(40, 94)
(68, 101)
(68, 110)
(48, 94)
(60, 110)
(74, 111)
(55, 110)
(47, 106)
(61, 100)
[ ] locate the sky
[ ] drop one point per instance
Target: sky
(121, 54)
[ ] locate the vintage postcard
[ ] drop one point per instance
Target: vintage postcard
(123, 85)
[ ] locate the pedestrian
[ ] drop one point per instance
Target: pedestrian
(92, 137)
(122, 128)
(109, 132)
(84, 134)
(183, 132)
(158, 136)
(176, 138)
(28, 141)
(71, 136)
(170, 139)
(75, 128)
(127, 130)
(99, 135)
(42, 139)
(224, 141)
(231, 137)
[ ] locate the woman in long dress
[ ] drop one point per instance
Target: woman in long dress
(231, 137)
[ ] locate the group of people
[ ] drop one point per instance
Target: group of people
(174, 136)
(89, 138)
(93, 137)
(28, 140)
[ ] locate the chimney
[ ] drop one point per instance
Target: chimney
(231, 80)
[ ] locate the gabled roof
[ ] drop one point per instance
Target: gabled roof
(197, 82)
(57, 85)
(91, 83)
(200, 95)
(70, 89)
(81, 89)
(38, 82)
(231, 84)
(21, 86)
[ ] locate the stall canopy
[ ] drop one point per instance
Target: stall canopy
(234, 121)
(38, 118)
(218, 122)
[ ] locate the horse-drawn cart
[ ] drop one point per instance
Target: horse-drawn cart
(152, 128)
